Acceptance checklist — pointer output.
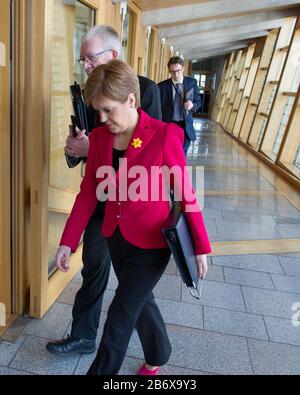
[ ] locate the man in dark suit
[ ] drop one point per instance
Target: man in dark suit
(180, 99)
(99, 45)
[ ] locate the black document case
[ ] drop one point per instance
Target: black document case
(177, 234)
(79, 107)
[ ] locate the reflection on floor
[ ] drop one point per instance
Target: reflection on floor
(247, 321)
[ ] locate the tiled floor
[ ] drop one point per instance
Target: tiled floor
(247, 321)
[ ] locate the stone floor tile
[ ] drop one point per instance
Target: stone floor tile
(274, 359)
(289, 231)
(69, 293)
(211, 228)
(286, 283)
(84, 363)
(171, 268)
(54, 323)
(271, 303)
(179, 313)
(210, 213)
(234, 323)
(263, 263)
(33, 357)
(168, 287)
(208, 351)
(238, 216)
(8, 350)
(248, 277)
(286, 220)
(277, 203)
(4, 371)
(215, 273)
(284, 331)
(77, 278)
(245, 231)
(216, 294)
(291, 265)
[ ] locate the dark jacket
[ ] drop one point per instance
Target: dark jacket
(167, 103)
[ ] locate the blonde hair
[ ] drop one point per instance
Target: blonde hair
(114, 80)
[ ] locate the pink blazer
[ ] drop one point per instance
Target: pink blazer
(141, 221)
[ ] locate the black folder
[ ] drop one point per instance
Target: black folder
(178, 237)
(80, 118)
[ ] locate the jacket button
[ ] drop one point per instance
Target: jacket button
(118, 216)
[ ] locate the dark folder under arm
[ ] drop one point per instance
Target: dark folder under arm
(177, 234)
(79, 107)
(79, 119)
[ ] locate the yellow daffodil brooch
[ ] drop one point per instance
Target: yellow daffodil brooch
(137, 143)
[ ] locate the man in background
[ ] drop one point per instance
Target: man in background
(180, 99)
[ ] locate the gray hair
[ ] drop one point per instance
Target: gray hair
(107, 34)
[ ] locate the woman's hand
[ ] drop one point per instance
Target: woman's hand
(202, 265)
(62, 258)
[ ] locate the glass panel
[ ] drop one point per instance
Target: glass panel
(258, 85)
(272, 84)
(283, 123)
(161, 62)
(290, 156)
(126, 35)
(71, 20)
(245, 98)
(147, 52)
(284, 102)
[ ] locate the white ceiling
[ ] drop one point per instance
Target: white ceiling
(205, 28)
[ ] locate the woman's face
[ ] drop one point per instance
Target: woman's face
(117, 116)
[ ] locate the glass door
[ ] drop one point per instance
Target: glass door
(58, 26)
(70, 22)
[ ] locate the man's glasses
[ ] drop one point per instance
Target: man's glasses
(91, 58)
(176, 71)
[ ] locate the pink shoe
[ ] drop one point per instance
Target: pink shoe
(146, 372)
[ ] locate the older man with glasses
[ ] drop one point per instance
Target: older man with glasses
(99, 45)
(179, 99)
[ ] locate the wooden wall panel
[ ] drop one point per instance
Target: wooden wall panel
(38, 114)
(5, 185)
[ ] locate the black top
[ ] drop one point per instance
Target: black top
(117, 154)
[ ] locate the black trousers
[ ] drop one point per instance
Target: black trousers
(187, 140)
(96, 266)
(138, 271)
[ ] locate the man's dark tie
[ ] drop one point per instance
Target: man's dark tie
(178, 109)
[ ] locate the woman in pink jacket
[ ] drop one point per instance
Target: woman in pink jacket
(125, 166)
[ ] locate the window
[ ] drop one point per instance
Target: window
(71, 20)
(203, 80)
(126, 34)
(284, 101)
(147, 52)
